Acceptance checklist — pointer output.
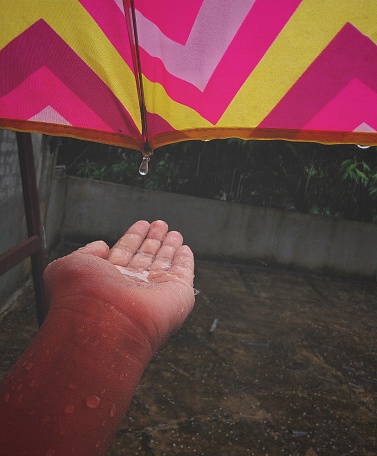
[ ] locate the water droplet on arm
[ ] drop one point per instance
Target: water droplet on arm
(69, 409)
(93, 401)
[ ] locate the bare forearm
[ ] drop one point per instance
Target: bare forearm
(75, 381)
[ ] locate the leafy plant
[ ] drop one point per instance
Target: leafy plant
(91, 170)
(360, 173)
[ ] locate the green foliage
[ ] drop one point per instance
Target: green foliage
(338, 181)
(91, 170)
(360, 173)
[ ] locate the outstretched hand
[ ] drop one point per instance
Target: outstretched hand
(110, 310)
(147, 276)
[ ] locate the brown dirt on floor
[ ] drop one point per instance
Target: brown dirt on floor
(291, 368)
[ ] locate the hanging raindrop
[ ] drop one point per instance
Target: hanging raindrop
(361, 146)
(144, 167)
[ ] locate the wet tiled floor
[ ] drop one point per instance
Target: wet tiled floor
(290, 367)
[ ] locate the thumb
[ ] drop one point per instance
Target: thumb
(77, 265)
(96, 248)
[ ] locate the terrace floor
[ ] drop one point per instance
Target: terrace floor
(289, 368)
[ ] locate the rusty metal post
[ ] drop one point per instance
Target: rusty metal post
(33, 220)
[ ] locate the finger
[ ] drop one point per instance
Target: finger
(126, 247)
(165, 255)
(183, 264)
(150, 246)
(96, 248)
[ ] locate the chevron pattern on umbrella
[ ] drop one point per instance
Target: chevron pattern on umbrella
(294, 69)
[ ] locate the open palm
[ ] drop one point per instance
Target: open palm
(147, 276)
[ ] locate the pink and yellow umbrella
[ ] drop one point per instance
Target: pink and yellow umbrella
(144, 73)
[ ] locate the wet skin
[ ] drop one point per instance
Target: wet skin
(110, 311)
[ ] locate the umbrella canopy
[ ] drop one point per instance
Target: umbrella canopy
(144, 73)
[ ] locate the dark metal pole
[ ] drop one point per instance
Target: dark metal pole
(33, 219)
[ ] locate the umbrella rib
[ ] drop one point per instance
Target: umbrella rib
(129, 10)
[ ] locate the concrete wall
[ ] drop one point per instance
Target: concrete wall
(12, 220)
(224, 231)
(12, 212)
